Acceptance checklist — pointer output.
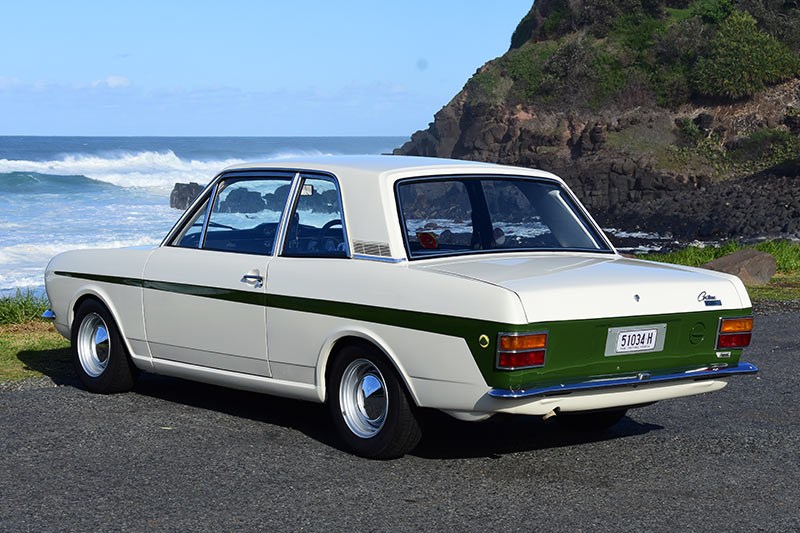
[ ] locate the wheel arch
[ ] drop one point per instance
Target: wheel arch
(333, 346)
(96, 293)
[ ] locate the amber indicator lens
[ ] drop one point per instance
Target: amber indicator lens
(515, 343)
(736, 325)
(734, 333)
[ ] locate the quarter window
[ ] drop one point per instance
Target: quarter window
(193, 230)
(316, 226)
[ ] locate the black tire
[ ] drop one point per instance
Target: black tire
(590, 422)
(99, 356)
(369, 405)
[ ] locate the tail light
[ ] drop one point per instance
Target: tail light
(521, 350)
(734, 333)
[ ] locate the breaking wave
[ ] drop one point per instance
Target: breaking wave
(158, 170)
(148, 169)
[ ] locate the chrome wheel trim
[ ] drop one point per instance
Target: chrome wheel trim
(363, 399)
(94, 345)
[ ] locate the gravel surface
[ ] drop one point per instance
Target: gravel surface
(178, 456)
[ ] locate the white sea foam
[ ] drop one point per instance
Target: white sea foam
(527, 229)
(159, 170)
(633, 234)
(10, 285)
(36, 253)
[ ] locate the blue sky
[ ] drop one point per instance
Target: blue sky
(241, 67)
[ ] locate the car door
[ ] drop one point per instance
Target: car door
(307, 268)
(205, 290)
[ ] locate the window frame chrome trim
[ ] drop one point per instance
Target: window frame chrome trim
(283, 224)
(610, 250)
(211, 193)
(379, 258)
(213, 196)
(189, 212)
(294, 194)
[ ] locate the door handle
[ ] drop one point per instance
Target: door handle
(254, 278)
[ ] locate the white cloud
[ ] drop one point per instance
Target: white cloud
(112, 82)
(8, 83)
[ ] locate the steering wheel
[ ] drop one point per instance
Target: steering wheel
(328, 225)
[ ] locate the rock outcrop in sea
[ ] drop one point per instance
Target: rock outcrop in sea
(183, 194)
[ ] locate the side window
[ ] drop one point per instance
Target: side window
(193, 230)
(246, 214)
(315, 225)
(438, 216)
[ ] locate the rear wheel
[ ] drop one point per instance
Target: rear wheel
(100, 357)
(369, 405)
(590, 422)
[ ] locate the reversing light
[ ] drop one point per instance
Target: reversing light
(516, 351)
(734, 332)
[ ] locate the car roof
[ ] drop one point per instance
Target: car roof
(367, 189)
(387, 164)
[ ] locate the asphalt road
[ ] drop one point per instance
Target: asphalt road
(179, 456)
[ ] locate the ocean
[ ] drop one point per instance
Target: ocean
(64, 193)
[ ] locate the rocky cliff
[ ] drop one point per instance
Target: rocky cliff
(679, 117)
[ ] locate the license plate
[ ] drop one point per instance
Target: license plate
(638, 339)
(634, 341)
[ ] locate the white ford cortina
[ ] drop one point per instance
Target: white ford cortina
(381, 285)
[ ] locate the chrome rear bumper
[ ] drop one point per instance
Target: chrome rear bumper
(642, 378)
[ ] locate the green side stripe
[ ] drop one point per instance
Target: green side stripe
(430, 322)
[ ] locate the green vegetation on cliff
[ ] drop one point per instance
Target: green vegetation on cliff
(742, 60)
(599, 53)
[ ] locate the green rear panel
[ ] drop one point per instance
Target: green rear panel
(576, 349)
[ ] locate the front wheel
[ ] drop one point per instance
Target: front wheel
(100, 357)
(369, 405)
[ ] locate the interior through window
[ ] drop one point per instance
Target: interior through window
(468, 215)
(244, 217)
(315, 225)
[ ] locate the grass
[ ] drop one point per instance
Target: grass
(29, 346)
(31, 349)
(782, 288)
(786, 253)
(785, 286)
(23, 307)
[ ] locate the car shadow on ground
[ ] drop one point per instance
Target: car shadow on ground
(448, 438)
(309, 418)
(56, 364)
(443, 436)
